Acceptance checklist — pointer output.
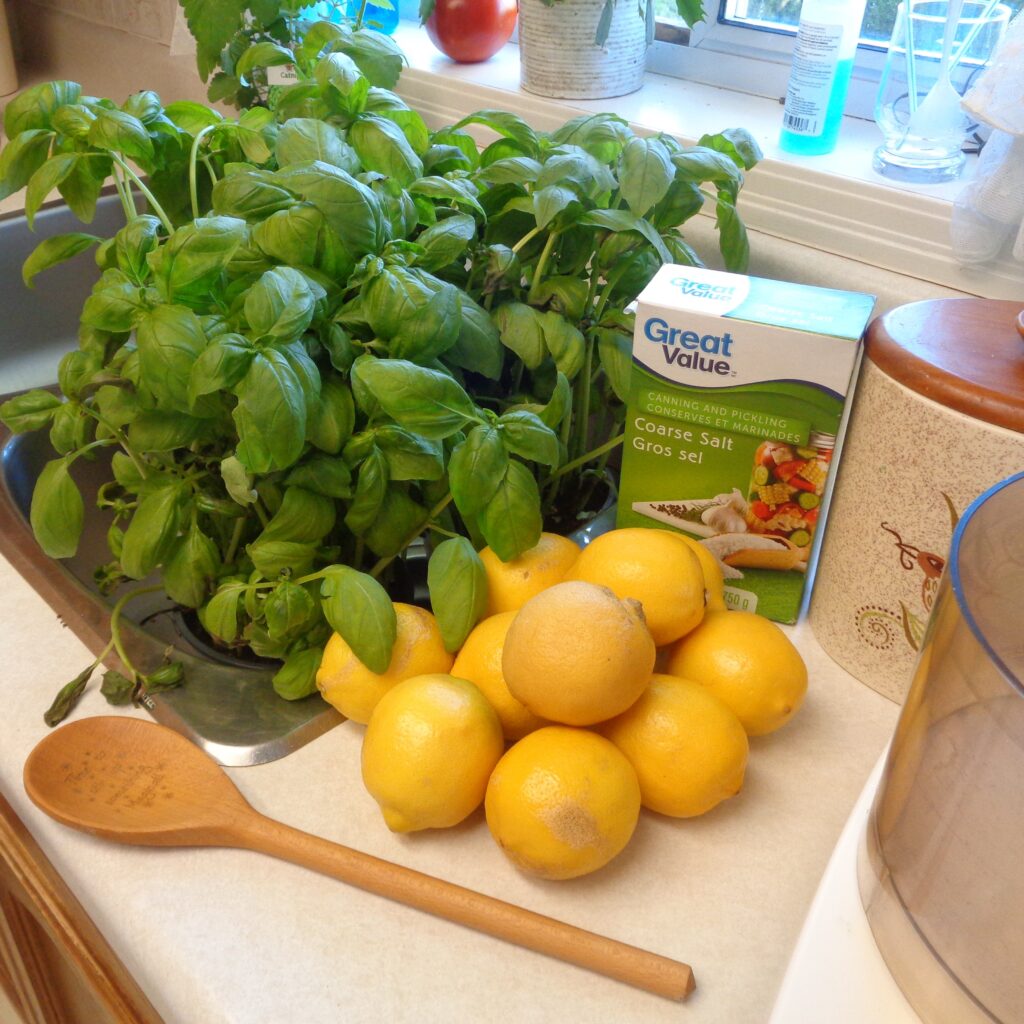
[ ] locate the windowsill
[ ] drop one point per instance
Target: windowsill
(836, 203)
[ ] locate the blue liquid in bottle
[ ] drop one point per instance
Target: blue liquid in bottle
(825, 140)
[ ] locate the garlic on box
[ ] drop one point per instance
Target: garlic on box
(724, 519)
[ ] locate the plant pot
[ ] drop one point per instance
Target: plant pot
(559, 58)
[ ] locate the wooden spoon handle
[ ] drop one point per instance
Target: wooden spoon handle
(637, 967)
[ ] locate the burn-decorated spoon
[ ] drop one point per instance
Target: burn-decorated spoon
(140, 783)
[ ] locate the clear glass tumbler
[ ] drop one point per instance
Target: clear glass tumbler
(936, 52)
(941, 874)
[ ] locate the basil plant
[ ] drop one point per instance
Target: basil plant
(326, 334)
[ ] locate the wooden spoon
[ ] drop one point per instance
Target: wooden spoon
(137, 782)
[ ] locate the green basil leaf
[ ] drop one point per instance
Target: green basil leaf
(237, 481)
(339, 72)
(511, 520)
(296, 678)
(21, 158)
(461, 192)
(398, 518)
(280, 305)
(521, 331)
(291, 236)
(115, 303)
(133, 244)
(457, 582)
(82, 186)
(526, 434)
(351, 209)
(51, 251)
(192, 117)
(381, 146)
(219, 615)
(424, 401)
(417, 313)
(270, 415)
(251, 194)
(732, 234)
(35, 106)
(736, 143)
(332, 417)
(70, 429)
(302, 516)
(322, 474)
(409, 456)
(371, 487)
(161, 430)
(220, 366)
(508, 125)
(192, 569)
(57, 511)
(273, 557)
(193, 258)
(121, 133)
(603, 136)
(73, 120)
(359, 609)
(377, 56)
(116, 404)
(262, 55)
(153, 531)
(645, 173)
(118, 689)
(145, 106)
(564, 342)
(559, 405)
(30, 410)
(476, 469)
(519, 170)
(701, 163)
(45, 180)
(621, 220)
(446, 241)
(170, 340)
(256, 132)
(304, 139)
(288, 608)
(478, 346)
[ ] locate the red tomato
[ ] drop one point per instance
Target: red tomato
(761, 510)
(470, 31)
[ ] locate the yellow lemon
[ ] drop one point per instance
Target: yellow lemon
(746, 661)
(479, 661)
(714, 581)
(511, 584)
(576, 654)
(562, 802)
(652, 567)
(689, 750)
(428, 752)
(348, 685)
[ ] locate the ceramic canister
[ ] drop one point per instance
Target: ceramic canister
(937, 419)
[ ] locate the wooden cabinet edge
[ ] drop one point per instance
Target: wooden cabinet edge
(33, 881)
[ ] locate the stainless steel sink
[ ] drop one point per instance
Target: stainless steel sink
(227, 707)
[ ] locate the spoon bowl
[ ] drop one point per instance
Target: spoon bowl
(133, 781)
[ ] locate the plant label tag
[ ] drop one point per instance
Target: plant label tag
(738, 402)
(282, 74)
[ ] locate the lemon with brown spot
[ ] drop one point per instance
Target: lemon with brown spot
(562, 802)
(577, 655)
(746, 661)
(688, 749)
(511, 584)
(479, 661)
(652, 567)
(354, 690)
(429, 749)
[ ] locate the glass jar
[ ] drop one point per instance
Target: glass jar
(787, 483)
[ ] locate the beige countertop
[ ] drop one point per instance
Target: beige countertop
(223, 936)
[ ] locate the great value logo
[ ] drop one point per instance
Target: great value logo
(704, 289)
(706, 353)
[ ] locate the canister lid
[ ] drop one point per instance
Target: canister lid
(966, 354)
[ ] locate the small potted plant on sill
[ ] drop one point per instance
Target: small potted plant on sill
(589, 49)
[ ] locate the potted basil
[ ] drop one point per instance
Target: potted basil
(589, 49)
(325, 333)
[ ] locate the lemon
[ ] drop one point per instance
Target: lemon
(511, 584)
(348, 685)
(746, 661)
(714, 581)
(576, 654)
(479, 661)
(562, 802)
(652, 567)
(428, 752)
(688, 749)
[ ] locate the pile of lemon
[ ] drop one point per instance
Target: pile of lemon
(615, 677)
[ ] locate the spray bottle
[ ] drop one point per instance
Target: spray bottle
(826, 44)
